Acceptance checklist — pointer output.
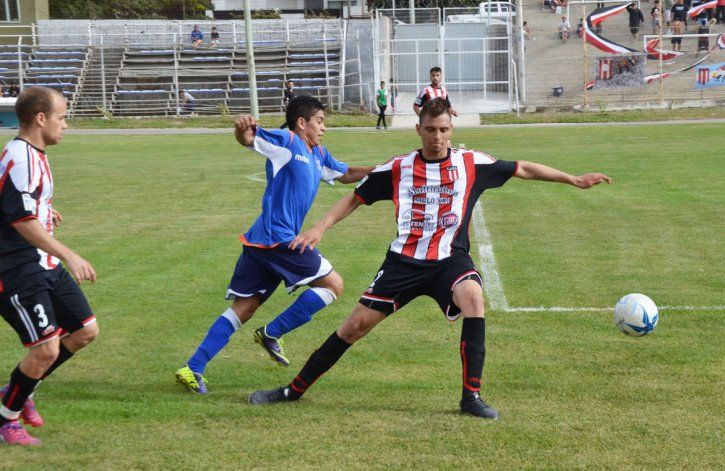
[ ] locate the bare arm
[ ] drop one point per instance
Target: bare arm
(534, 171)
(311, 237)
(244, 129)
(416, 108)
(355, 174)
(37, 236)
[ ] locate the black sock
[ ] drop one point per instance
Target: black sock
(19, 388)
(473, 353)
(63, 356)
(319, 362)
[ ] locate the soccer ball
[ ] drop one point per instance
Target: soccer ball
(636, 315)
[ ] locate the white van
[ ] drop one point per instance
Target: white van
(497, 9)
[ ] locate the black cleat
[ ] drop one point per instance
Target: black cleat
(271, 396)
(474, 405)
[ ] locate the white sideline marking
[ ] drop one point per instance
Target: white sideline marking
(491, 279)
(604, 309)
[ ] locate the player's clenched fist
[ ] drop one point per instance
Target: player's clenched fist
(244, 128)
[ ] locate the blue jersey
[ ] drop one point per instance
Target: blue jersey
(293, 177)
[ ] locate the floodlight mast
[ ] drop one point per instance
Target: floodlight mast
(251, 69)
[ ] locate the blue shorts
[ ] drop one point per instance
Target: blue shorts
(259, 271)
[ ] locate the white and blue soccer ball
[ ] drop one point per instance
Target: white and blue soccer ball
(636, 315)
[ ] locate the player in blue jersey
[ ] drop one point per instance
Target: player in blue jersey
(296, 162)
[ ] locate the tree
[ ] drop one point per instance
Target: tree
(128, 9)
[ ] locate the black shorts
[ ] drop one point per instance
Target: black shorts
(402, 279)
(50, 307)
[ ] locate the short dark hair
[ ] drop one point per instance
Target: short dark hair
(303, 106)
(433, 108)
(435, 69)
(32, 101)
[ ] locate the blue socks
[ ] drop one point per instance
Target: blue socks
(300, 312)
(217, 338)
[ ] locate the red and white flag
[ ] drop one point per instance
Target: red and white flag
(694, 11)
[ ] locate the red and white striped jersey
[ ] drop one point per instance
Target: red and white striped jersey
(434, 200)
(26, 192)
(430, 93)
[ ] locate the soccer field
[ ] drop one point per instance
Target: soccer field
(158, 216)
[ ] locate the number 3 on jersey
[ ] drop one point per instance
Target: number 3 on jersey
(40, 311)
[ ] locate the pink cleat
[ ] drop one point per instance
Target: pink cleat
(12, 433)
(30, 414)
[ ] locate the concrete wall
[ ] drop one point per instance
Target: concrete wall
(363, 28)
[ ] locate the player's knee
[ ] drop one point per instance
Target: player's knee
(44, 354)
(334, 283)
(352, 330)
(87, 335)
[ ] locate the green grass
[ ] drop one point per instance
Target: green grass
(158, 217)
(358, 119)
(717, 112)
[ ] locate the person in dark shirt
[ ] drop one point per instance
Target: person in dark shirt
(679, 12)
(288, 95)
(214, 37)
(636, 19)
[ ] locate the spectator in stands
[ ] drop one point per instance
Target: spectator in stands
(382, 101)
(214, 37)
(636, 19)
(289, 93)
(656, 15)
(580, 28)
(197, 37)
(188, 103)
(667, 11)
(703, 42)
(14, 90)
(564, 28)
(720, 11)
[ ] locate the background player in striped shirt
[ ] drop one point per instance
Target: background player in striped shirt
(295, 164)
(434, 190)
(38, 297)
(433, 91)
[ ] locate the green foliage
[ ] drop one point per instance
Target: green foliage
(128, 9)
(266, 15)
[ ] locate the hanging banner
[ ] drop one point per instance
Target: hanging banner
(620, 71)
(710, 75)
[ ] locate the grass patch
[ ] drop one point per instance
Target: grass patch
(717, 112)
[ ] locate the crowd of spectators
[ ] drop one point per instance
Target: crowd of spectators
(11, 91)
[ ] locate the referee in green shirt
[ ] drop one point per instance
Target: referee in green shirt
(382, 100)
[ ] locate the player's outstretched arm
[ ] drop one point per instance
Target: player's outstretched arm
(311, 237)
(355, 174)
(244, 128)
(534, 171)
(37, 236)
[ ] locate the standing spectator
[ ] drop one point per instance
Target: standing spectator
(433, 91)
(196, 36)
(288, 95)
(393, 94)
(188, 103)
(636, 19)
(703, 42)
(678, 27)
(656, 17)
(564, 28)
(382, 101)
(720, 11)
(668, 12)
(214, 37)
(528, 34)
(580, 28)
(679, 13)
